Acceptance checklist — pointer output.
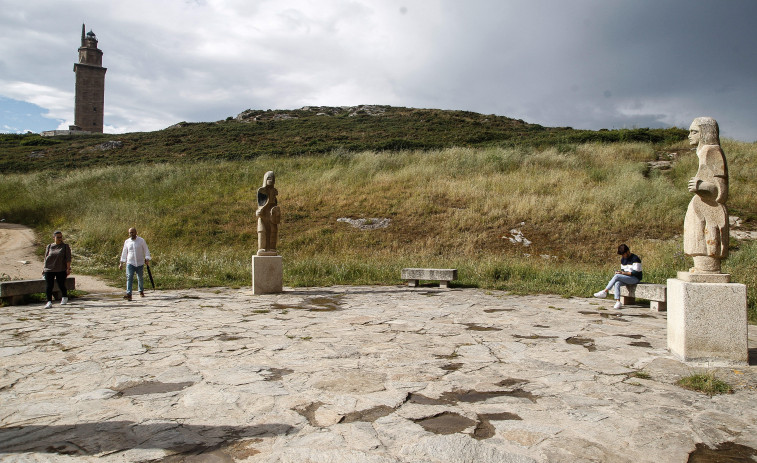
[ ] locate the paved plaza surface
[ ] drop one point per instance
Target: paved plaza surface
(358, 374)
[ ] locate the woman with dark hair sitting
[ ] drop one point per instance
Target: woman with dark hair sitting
(629, 274)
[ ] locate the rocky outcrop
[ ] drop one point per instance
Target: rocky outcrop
(257, 115)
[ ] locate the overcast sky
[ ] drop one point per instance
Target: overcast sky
(582, 63)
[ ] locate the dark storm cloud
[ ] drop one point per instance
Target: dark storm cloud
(595, 64)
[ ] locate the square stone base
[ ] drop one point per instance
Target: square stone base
(267, 274)
(707, 321)
(704, 277)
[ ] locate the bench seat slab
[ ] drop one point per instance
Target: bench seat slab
(12, 291)
(656, 294)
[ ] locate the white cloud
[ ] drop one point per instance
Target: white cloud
(59, 104)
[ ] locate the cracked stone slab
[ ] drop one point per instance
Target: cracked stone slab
(221, 375)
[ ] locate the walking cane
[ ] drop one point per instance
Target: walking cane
(149, 274)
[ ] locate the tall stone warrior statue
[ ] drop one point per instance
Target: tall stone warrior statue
(269, 216)
(705, 229)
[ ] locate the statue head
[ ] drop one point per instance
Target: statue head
(704, 131)
(269, 179)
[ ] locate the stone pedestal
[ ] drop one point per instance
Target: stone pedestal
(707, 321)
(704, 277)
(267, 274)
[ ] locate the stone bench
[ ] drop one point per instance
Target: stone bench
(657, 295)
(443, 275)
(12, 292)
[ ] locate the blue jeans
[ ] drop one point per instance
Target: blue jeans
(130, 269)
(619, 280)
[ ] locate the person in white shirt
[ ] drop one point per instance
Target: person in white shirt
(135, 254)
(629, 274)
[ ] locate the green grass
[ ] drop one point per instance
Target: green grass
(706, 383)
(449, 207)
(306, 133)
(640, 375)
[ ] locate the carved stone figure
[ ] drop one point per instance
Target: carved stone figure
(705, 229)
(269, 216)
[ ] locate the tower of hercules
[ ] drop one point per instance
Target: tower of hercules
(90, 85)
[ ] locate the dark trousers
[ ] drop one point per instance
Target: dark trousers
(50, 278)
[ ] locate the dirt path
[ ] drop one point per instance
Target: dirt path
(18, 260)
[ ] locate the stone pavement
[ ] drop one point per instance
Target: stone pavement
(357, 374)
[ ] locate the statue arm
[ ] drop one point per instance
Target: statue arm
(711, 181)
(264, 202)
(712, 167)
(719, 168)
(702, 188)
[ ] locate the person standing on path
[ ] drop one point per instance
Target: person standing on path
(57, 267)
(135, 255)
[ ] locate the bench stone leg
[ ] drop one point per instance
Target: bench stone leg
(627, 300)
(413, 283)
(658, 306)
(444, 284)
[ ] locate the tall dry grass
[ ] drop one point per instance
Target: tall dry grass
(451, 207)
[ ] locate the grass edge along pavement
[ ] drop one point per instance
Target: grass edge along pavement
(452, 207)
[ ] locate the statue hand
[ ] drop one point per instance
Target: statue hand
(702, 188)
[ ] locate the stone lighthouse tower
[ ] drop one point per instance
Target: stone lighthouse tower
(90, 85)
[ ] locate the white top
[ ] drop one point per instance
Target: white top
(135, 251)
(635, 267)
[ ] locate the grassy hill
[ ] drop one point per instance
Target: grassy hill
(310, 130)
(573, 195)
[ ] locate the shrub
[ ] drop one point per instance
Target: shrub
(705, 382)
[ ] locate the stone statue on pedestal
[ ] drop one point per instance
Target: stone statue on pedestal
(269, 216)
(707, 314)
(706, 229)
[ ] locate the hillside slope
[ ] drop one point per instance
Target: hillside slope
(305, 131)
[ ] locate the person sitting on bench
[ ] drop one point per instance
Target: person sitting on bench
(629, 274)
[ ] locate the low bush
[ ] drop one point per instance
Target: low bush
(705, 382)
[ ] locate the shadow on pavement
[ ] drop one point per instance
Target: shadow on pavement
(117, 436)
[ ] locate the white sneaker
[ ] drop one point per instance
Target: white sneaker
(48, 305)
(601, 294)
(617, 305)
(64, 301)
